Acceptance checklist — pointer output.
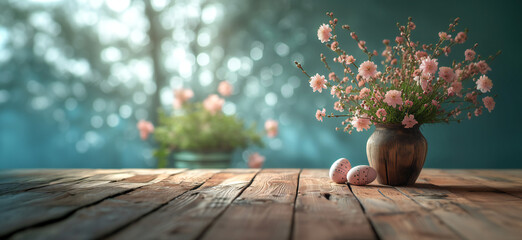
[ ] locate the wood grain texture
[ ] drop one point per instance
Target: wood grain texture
(187, 216)
(396, 153)
(327, 210)
(270, 198)
(29, 208)
(396, 216)
(253, 204)
(114, 213)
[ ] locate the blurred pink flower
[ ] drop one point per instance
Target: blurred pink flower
(484, 84)
(381, 113)
(393, 98)
(429, 65)
(421, 54)
(489, 103)
(409, 121)
(444, 36)
(225, 88)
(318, 82)
(348, 89)
(213, 103)
(324, 33)
(181, 96)
(469, 54)
(145, 128)
(457, 87)
(361, 123)
(367, 69)
(365, 92)
(320, 114)
(349, 59)
(483, 67)
(447, 74)
(461, 37)
(255, 160)
(271, 128)
(478, 111)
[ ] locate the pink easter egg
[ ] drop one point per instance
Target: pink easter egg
(361, 175)
(339, 169)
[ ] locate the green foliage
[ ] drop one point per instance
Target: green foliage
(198, 130)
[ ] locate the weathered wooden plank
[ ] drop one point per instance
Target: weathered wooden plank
(23, 181)
(56, 201)
(500, 180)
(188, 215)
(467, 187)
(112, 214)
(269, 203)
(326, 210)
(395, 216)
(469, 219)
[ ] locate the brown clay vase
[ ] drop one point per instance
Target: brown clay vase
(396, 153)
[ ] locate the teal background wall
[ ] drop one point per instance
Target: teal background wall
(66, 101)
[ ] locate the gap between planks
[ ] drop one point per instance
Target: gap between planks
(133, 182)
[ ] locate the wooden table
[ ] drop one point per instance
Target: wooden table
(256, 204)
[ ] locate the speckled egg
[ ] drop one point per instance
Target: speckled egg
(361, 175)
(339, 169)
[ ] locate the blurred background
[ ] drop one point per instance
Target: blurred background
(77, 75)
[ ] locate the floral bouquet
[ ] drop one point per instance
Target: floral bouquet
(410, 88)
(203, 128)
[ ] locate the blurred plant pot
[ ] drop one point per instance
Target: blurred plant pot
(396, 153)
(187, 159)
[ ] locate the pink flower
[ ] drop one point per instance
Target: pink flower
(318, 82)
(421, 54)
(332, 76)
(461, 37)
(324, 33)
(484, 84)
(457, 87)
(348, 89)
(444, 36)
(213, 103)
(469, 54)
(367, 69)
(409, 121)
(429, 65)
(399, 40)
(271, 128)
(408, 103)
(145, 128)
(225, 89)
(361, 123)
(393, 98)
(334, 46)
(181, 96)
(483, 67)
(349, 59)
(362, 45)
(320, 114)
(381, 113)
(489, 103)
(338, 106)
(365, 92)
(447, 74)
(434, 102)
(255, 160)
(478, 111)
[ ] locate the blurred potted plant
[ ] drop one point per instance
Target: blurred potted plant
(200, 135)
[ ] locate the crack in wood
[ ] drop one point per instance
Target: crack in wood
(372, 224)
(204, 231)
